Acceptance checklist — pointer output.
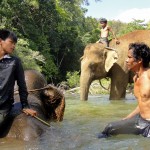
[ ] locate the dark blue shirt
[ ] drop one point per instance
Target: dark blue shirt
(11, 70)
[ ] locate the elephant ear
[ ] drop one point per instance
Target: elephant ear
(81, 58)
(111, 58)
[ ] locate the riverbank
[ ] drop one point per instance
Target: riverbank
(99, 87)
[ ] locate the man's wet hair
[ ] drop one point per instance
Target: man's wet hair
(104, 20)
(141, 51)
(4, 34)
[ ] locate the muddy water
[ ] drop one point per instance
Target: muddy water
(82, 122)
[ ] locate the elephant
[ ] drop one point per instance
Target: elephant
(100, 62)
(47, 100)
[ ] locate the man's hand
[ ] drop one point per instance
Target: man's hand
(28, 111)
(125, 118)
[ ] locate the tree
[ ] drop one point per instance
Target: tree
(57, 29)
(30, 58)
(121, 28)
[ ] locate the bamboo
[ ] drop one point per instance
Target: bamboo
(44, 122)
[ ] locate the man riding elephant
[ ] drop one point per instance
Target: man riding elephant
(47, 100)
(49, 106)
(48, 103)
(11, 70)
(105, 33)
(99, 62)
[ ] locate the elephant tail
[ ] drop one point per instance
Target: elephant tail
(103, 86)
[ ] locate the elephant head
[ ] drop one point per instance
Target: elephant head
(95, 64)
(52, 99)
(54, 102)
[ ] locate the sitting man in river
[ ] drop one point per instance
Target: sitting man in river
(138, 121)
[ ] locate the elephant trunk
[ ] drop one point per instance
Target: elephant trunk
(85, 81)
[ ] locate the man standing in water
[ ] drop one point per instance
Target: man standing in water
(138, 121)
(105, 33)
(10, 71)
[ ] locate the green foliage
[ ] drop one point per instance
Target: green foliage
(121, 28)
(117, 27)
(73, 79)
(50, 70)
(134, 25)
(54, 28)
(148, 25)
(30, 58)
(91, 31)
(96, 88)
(54, 33)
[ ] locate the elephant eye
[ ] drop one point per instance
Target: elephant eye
(92, 66)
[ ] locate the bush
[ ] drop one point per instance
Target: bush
(29, 57)
(73, 79)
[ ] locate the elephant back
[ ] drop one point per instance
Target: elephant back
(34, 80)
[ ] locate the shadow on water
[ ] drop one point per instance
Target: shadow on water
(82, 122)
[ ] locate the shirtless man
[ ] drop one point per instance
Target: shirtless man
(138, 121)
(105, 33)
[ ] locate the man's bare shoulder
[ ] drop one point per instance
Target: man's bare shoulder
(148, 73)
(134, 77)
(108, 27)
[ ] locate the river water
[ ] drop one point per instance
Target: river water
(82, 122)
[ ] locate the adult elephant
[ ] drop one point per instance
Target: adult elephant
(47, 100)
(99, 62)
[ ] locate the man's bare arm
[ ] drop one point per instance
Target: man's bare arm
(114, 35)
(133, 113)
(110, 29)
(148, 73)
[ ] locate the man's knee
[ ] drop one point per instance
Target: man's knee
(2, 118)
(108, 129)
(109, 126)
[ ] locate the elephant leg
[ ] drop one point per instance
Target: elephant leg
(118, 86)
